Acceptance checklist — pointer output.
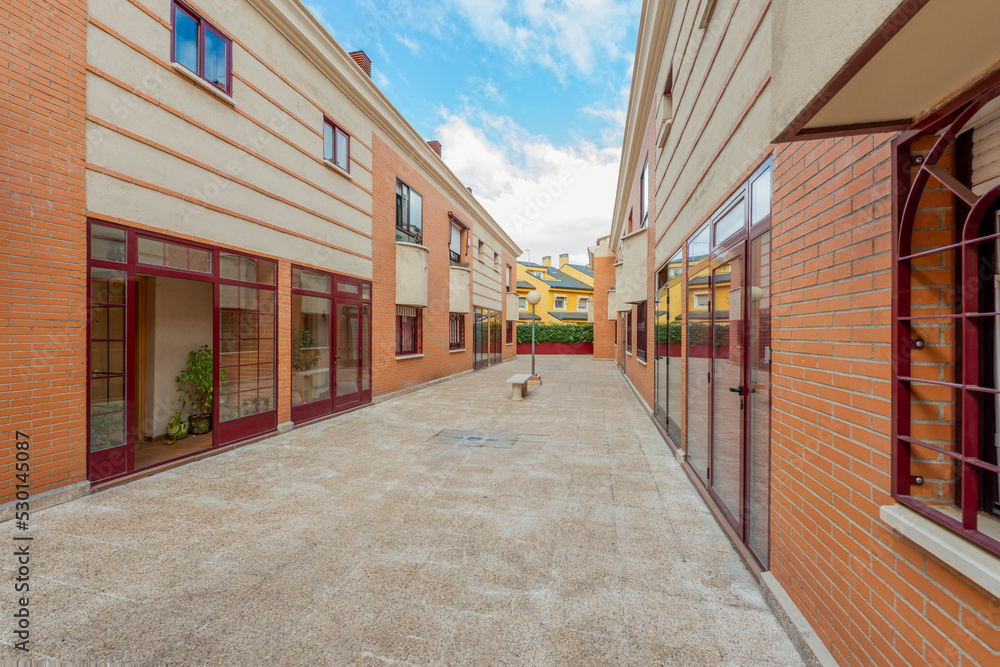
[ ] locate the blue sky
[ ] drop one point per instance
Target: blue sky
(527, 97)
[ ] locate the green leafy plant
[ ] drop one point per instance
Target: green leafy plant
(304, 354)
(176, 419)
(556, 333)
(197, 380)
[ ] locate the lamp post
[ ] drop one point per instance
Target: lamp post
(533, 298)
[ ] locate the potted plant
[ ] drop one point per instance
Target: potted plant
(177, 428)
(196, 381)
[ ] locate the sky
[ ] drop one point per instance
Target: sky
(527, 97)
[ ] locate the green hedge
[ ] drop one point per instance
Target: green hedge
(556, 333)
(697, 333)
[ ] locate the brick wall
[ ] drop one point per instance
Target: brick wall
(872, 597)
(604, 329)
(43, 284)
(388, 373)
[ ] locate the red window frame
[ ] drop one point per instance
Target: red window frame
(456, 331)
(331, 155)
(970, 393)
(409, 330)
(510, 332)
(628, 332)
(203, 25)
(640, 331)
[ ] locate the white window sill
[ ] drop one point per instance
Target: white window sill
(409, 356)
(452, 351)
(197, 80)
(337, 168)
(640, 361)
(975, 563)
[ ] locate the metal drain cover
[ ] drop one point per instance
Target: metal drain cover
(496, 439)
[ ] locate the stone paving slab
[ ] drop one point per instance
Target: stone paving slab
(378, 538)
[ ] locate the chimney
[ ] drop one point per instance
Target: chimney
(363, 61)
(547, 261)
(436, 145)
(563, 259)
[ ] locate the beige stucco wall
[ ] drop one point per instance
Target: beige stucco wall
(630, 283)
(460, 289)
(411, 274)
(160, 137)
(712, 142)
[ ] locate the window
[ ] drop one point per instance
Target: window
(522, 303)
(336, 146)
(616, 333)
(455, 244)
(946, 356)
(200, 48)
(510, 332)
(701, 301)
(560, 303)
(456, 331)
(581, 303)
(409, 214)
(628, 332)
(482, 251)
(643, 195)
(496, 262)
(508, 278)
(640, 331)
(409, 330)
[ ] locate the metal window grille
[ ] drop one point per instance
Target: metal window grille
(456, 331)
(409, 324)
(640, 331)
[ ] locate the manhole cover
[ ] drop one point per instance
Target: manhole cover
(495, 439)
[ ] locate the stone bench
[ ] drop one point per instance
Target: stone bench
(518, 386)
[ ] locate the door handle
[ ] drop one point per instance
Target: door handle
(737, 390)
(335, 357)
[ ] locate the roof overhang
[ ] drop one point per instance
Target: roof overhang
(860, 66)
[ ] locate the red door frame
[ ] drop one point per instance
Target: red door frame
(336, 296)
(122, 458)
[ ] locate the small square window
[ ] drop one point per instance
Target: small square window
(701, 301)
(581, 303)
(560, 303)
(336, 146)
(522, 303)
(199, 47)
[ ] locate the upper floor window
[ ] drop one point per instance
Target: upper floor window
(455, 244)
(509, 278)
(201, 48)
(581, 303)
(522, 303)
(409, 214)
(496, 262)
(643, 195)
(336, 146)
(560, 303)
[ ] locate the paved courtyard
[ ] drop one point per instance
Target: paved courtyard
(448, 526)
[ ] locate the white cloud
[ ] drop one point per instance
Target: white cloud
(381, 80)
(566, 36)
(551, 199)
(412, 45)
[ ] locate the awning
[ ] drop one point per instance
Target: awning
(862, 66)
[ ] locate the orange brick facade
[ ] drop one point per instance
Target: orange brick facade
(872, 596)
(604, 328)
(43, 284)
(390, 374)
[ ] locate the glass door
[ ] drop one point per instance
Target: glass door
(347, 361)
(759, 398)
(729, 385)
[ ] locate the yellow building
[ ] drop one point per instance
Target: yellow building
(566, 291)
